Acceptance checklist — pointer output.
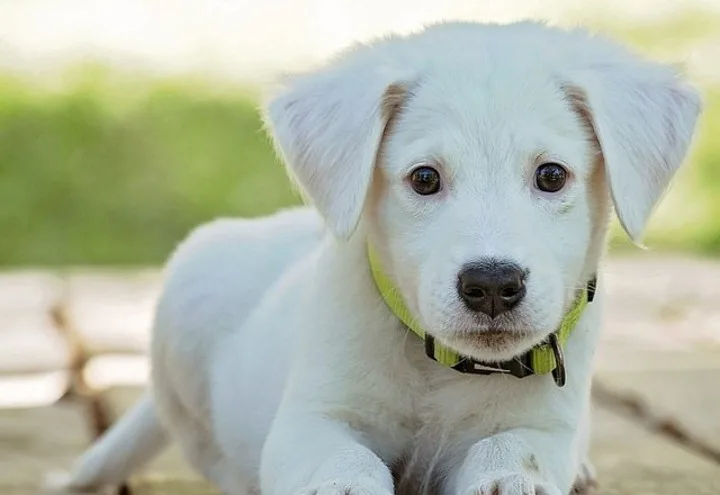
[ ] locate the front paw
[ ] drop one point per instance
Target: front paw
(510, 484)
(339, 487)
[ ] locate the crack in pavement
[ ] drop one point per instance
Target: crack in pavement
(97, 410)
(637, 410)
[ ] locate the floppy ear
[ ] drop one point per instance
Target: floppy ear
(328, 126)
(643, 117)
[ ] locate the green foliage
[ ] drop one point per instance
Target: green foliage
(101, 174)
(104, 169)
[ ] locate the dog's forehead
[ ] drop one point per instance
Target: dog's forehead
(486, 75)
(489, 94)
(488, 114)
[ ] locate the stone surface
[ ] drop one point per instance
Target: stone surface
(111, 370)
(661, 340)
(32, 389)
(616, 359)
(29, 341)
(36, 441)
(113, 311)
(634, 461)
(680, 387)
(158, 485)
(662, 303)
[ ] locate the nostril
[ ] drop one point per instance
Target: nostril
(509, 292)
(474, 291)
(512, 290)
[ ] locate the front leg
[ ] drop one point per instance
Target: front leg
(518, 462)
(313, 455)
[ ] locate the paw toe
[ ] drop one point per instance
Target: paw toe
(513, 484)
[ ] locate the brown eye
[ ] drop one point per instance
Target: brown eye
(550, 177)
(425, 180)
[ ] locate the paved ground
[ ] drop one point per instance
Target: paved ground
(81, 337)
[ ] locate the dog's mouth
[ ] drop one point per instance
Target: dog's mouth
(493, 343)
(496, 339)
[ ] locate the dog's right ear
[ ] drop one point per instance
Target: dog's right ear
(642, 114)
(328, 126)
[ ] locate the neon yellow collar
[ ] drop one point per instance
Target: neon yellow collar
(544, 358)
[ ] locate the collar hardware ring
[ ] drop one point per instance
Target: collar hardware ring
(559, 373)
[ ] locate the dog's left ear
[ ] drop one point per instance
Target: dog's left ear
(328, 126)
(643, 117)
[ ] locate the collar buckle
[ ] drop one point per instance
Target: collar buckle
(518, 367)
(559, 373)
(591, 288)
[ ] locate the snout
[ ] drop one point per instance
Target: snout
(491, 286)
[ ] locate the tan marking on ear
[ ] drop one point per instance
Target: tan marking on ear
(392, 100)
(599, 200)
(579, 103)
(391, 105)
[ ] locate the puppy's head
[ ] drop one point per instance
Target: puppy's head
(481, 162)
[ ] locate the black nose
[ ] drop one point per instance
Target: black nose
(491, 287)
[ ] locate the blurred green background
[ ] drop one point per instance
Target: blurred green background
(103, 167)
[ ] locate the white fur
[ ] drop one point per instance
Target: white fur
(276, 364)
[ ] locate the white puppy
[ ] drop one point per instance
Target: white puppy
(465, 175)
